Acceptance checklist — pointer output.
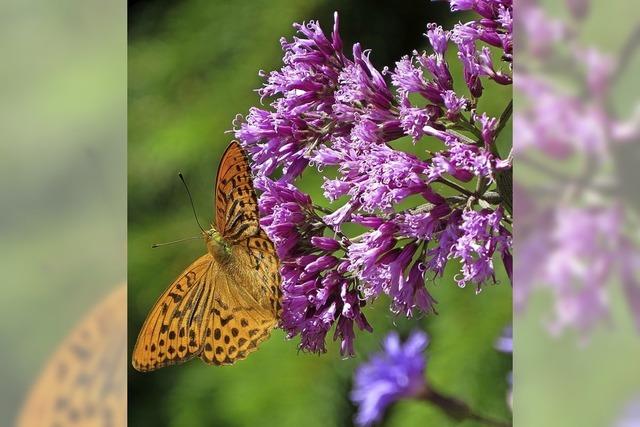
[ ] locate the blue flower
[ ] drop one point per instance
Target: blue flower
(395, 373)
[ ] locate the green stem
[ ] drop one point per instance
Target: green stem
(502, 122)
(455, 186)
(481, 186)
(627, 52)
(324, 224)
(462, 137)
(457, 409)
(322, 209)
(461, 189)
(469, 127)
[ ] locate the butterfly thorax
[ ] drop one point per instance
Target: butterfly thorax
(217, 246)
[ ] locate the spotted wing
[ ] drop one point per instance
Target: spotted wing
(173, 331)
(236, 203)
(84, 383)
(259, 256)
(246, 302)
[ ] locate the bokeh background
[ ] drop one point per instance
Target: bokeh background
(62, 180)
(193, 65)
(577, 376)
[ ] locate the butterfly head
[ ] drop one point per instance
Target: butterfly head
(216, 245)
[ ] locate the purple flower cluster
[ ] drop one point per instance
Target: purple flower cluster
(338, 113)
(318, 291)
(396, 373)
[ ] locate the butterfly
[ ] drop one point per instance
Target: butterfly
(84, 382)
(228, 301)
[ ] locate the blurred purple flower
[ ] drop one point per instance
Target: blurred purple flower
(630, 415)
(504, 344)
(396, 373)
(577, 241)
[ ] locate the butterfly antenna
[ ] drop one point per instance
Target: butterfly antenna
(191, 200)
(157, 245)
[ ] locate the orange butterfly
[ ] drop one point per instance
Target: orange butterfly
(225, 303)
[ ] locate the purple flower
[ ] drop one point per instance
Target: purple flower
(505, 342)
(342, 116)
(462, 161)
(454, 104)
(396, 373)
(436, 63)
(438, 38)
(325, 243)
(439, 255)
(423, 224)
(584, 250)
(487, 8)
(408, 290)
(379, 177)
(285, 215)
(316, 293)
(457, 5)
(360, 82)
(408, 78)
(468, 55)
(481, 235)
(367, 261)
(419, 122)
(304, 91)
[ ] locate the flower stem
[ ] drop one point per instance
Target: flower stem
(318, 218)
(461, 189)
(481, 186)
(504, 118)
(455, 186)
(322, 209)
(626, 54)
(470, 127)
(457, 409)
(462, 137)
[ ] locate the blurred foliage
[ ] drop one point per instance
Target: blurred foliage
(192, 67)
(594, 376)
(63, 175)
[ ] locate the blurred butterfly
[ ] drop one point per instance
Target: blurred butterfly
(85, 381)
(227, 302)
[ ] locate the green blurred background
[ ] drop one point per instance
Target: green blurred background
(62, 177)
(192, 67)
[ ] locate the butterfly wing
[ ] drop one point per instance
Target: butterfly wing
(236, 204)
(173, 331)
(246, 303)
(84, 383)
(259, 254)
(246, 299)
